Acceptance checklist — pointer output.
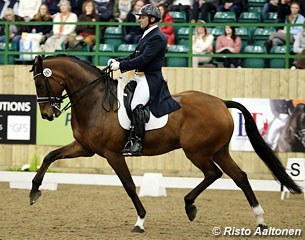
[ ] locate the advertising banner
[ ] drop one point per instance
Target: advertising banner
(281, 122)
(18, 119)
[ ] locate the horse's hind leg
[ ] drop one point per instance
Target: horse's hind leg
(211, 173)
(69, 151)
(227, 164)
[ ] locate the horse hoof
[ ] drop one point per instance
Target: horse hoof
(191, 212)
(262, 226)
(34, 196)
(137, 229)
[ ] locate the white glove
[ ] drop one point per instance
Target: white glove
(115, 66)
(111, 60)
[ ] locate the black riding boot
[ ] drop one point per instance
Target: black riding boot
(134, 145)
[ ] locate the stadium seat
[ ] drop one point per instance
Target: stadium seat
(182, 37)
(11, 59)
(255, 9)
(179, 17)
(254, 62)
(102, 60)
(271, 17)
(113, 36)
(277, 62)
(256, 3)
(224, 17)
(244, 34)
(81, 48)
(249, 17)
(127, 48)
(262, 34)
(177, 61)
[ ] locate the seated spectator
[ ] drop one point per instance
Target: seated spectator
(167, 29)
(283, 10)
(42, 15)
(121, 9)
(202, 43)
(132, 34)
(61, 32)
(27, 9)
(181, 6)
(53, 6)
(271, 6)
(15, 31)
(228, 43)
(203, 7)
(86, 33)
(279, 38)
(236, 6)
(76, 6)
(105, 9)
(299, 48)
(4, 4)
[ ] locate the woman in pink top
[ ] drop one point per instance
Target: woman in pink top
(228, 43)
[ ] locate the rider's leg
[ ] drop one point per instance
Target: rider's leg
(140, 98)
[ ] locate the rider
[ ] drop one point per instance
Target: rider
(147, 61)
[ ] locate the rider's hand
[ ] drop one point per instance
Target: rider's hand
(111, 60)
(115, 66)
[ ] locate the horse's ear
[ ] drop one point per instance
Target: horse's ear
(37, 66)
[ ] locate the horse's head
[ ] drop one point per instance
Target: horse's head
(49, 88)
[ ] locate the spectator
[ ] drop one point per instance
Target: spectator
(121, 9)
(229, 43)
(76, 6)
(181, 6)
(15, 31)
(86, 33)
(27, 9)
(167, 29)
(4, 4)
(205, 8)
(156, 3)
(236, 6)
(53, 6)
(279, 37)
(42, 15)
(61, 32)
(283, 10)
(299, 48)
(105, 9)
(202, 43)
(132, 34)
(271, 6)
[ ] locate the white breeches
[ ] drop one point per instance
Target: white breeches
(141, 94)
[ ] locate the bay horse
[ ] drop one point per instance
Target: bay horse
(292, 135)
(202, 128)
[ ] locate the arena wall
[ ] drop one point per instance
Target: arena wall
(224, 83)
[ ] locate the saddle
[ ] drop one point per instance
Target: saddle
(124, 111)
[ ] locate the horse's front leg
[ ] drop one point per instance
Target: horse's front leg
(120, 167)
(72, 150)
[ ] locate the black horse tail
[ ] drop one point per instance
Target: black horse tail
(263, 150)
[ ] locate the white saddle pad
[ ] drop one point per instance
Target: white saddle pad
(153, 123)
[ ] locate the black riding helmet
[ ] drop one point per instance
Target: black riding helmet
(150, 11)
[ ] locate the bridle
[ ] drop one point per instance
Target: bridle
(56, 101)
